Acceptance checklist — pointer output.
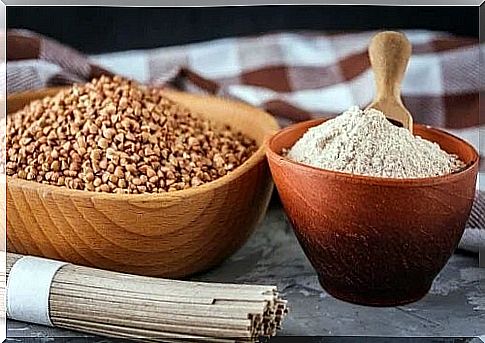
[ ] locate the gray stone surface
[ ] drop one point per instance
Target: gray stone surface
(455, 305)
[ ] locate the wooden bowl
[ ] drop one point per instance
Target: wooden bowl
(171, 234)
(375, 241)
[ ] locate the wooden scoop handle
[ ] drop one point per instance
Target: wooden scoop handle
(389, 54)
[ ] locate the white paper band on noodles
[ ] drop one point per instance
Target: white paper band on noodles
(28, 288)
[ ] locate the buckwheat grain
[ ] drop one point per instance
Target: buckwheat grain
(113, 135)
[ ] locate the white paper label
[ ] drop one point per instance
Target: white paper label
(28, 288)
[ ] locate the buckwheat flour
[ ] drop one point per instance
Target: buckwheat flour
(364, 142)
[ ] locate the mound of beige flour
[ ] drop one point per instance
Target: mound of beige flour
(364, 142)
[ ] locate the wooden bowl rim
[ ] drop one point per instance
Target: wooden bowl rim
(375, 180)
(251, 162)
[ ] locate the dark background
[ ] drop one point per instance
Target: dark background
(102, 29)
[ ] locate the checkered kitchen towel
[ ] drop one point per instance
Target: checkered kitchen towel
(294, 76)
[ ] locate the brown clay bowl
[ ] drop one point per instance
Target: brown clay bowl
(172, 234)
(375, 241)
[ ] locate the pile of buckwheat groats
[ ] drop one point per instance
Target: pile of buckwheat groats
(114, 135)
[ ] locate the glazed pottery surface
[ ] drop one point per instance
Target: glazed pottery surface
(171, 234)
(375, 241)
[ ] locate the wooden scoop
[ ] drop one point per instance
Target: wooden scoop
(389, 54)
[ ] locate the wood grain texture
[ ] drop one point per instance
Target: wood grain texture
(389, 53)
(375, 241)
(171, 234)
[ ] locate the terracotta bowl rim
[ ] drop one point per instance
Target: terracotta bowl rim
(257, 157)
(376, 180)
